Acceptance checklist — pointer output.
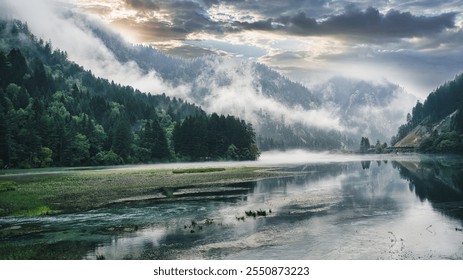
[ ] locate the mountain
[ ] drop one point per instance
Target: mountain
(437, 124)
(370, 109)
(55, 113)
(285, 114)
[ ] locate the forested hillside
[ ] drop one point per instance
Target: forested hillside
(436, 124)
(54, 113)
(247, 88)
(285, 114)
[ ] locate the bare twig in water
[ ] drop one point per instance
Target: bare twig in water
(393, 239)
(429, 228)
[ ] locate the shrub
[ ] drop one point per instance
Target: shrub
(108, 158)
(7, 186)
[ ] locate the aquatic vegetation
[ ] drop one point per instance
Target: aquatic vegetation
(197, 170)
(258, 213)
(197, 226)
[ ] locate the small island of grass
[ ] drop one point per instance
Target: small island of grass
(197, 170)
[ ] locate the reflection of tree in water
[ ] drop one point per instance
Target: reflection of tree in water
(365, 164)
(438, 182)
(370, 189)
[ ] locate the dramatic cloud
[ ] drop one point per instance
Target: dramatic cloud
(369, 23)
(414, 43)
(143, 4)
(304, 18)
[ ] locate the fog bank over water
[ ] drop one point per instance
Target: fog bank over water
(305, 156)
(276, 159)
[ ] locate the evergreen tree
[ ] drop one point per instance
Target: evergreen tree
(3, 70)
(17, 67)
(4, 145)
(160, 149)
(153, 141)
(364, 145)
(122, 139)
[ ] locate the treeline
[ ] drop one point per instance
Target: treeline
(442, 102)
(366, 147)
(54, 113)
(204, 137)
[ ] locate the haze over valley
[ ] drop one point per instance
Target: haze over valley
(319, 112)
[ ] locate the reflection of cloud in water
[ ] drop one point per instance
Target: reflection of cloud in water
(330, 211)
(130, 246)
(335, 210)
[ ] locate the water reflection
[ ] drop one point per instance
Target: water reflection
(340, 210)
(365, 164)
(439, 181)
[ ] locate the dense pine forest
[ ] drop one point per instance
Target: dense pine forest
(445, 102)
(55, 113)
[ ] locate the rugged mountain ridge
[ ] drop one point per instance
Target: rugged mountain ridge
(285, 113)
(436, 125)
(374, 110)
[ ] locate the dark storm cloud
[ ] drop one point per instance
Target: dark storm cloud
(275, 8)
(191, 17)
(393, 23)
(143, 4)
(370, 23)
(304, 18)
(185, 17)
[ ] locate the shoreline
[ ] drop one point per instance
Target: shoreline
(48, 193)
(69, 190)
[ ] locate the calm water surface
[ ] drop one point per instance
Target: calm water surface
(387, 208)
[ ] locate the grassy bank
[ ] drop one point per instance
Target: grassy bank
(49, 193)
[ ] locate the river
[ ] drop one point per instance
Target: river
(326, 207)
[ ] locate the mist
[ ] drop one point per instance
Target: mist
(242, 95)
(231, 84)
(57, 22)
(301, 157)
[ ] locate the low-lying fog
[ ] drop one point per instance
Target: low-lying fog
(276, 159)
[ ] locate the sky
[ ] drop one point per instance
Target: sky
(415, 44)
